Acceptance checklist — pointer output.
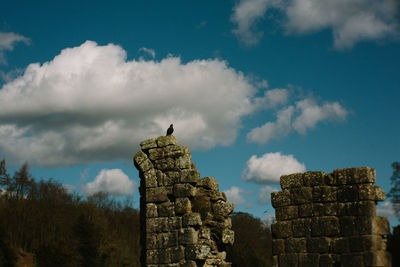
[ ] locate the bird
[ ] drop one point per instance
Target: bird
(170, 130)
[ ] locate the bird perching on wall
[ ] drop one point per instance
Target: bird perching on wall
(170, 130)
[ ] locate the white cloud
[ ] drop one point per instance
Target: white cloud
(385, 209)
(264, 195)
(305, 115)
(245, 14)
(112, 181)
(351, 21)
(69, 187)
(148, 51)
(90, 104)
(234, 195)
(272, 98)
(271, 130)
(312, 113)
(8, 41)
(270, 166)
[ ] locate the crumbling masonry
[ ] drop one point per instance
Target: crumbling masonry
(329, 220)
(185, 220)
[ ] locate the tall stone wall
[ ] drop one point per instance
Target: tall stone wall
(329, 220)
(185, 220)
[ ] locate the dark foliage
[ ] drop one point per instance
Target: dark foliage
(394, 193)
(394, 245)
(253, 242)
(62, 229)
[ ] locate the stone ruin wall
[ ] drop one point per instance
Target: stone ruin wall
(329, 220)
(185, 220)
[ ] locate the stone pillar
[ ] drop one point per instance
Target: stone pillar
(185, 220)
(329, 220)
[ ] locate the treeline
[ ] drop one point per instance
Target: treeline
(58, 228)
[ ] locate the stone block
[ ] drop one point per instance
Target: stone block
(156, 225)
(166, 209)
(367, 225)
(151, 241)
(163, 141)
(278, 246)
(348, 193)
(318, 209)
(228, 236)
(205, 233)
(184, 190)
(318, 244)
(352, 260)
(151, 210)
(166, 164)
(308, 259)
(175, 151)
(223, 209)
(183, 205)
(282, 229)
(315, 178)
(139, 158)
(366, 192)
(326, 260)
(188, 236)
(183, 162)
(379, 194)
(175, 223)
(288, 260)
(306, 210)
(156, 153)
(291, 180)
(177, 253)
(189, 176)
(275, 261)
(324, 194)
(302, 227)
(367, 243)
(209, 183)
(377, 258)
(301, 195)
(325, 226)
(354, 175)
(169, 239)
(145, 165)
(363, 208)
(197, 252)
(156, 194)
(191, 219)
(150, 178)
(149, 143)
(295, 245)
(286, 213)
(340, 245)
(281, 198)
(331, 209)
(215, 196)
(348, 225)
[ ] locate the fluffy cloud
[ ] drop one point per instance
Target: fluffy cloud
(264, 195)
(90, 104)
(304, 115)
(114, 181)
(271, 130)
(269, 167)
(234, 195)
(351, 21)
(8, 41)
(148, 51)
(245, 14)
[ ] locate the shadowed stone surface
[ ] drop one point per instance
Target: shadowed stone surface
(185, 220)
(329, 220)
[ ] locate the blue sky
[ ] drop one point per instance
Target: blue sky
(255, 88)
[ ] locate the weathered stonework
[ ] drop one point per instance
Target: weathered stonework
(329, 220)
(185, 220)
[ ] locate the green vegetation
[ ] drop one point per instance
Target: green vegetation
(63, 229)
